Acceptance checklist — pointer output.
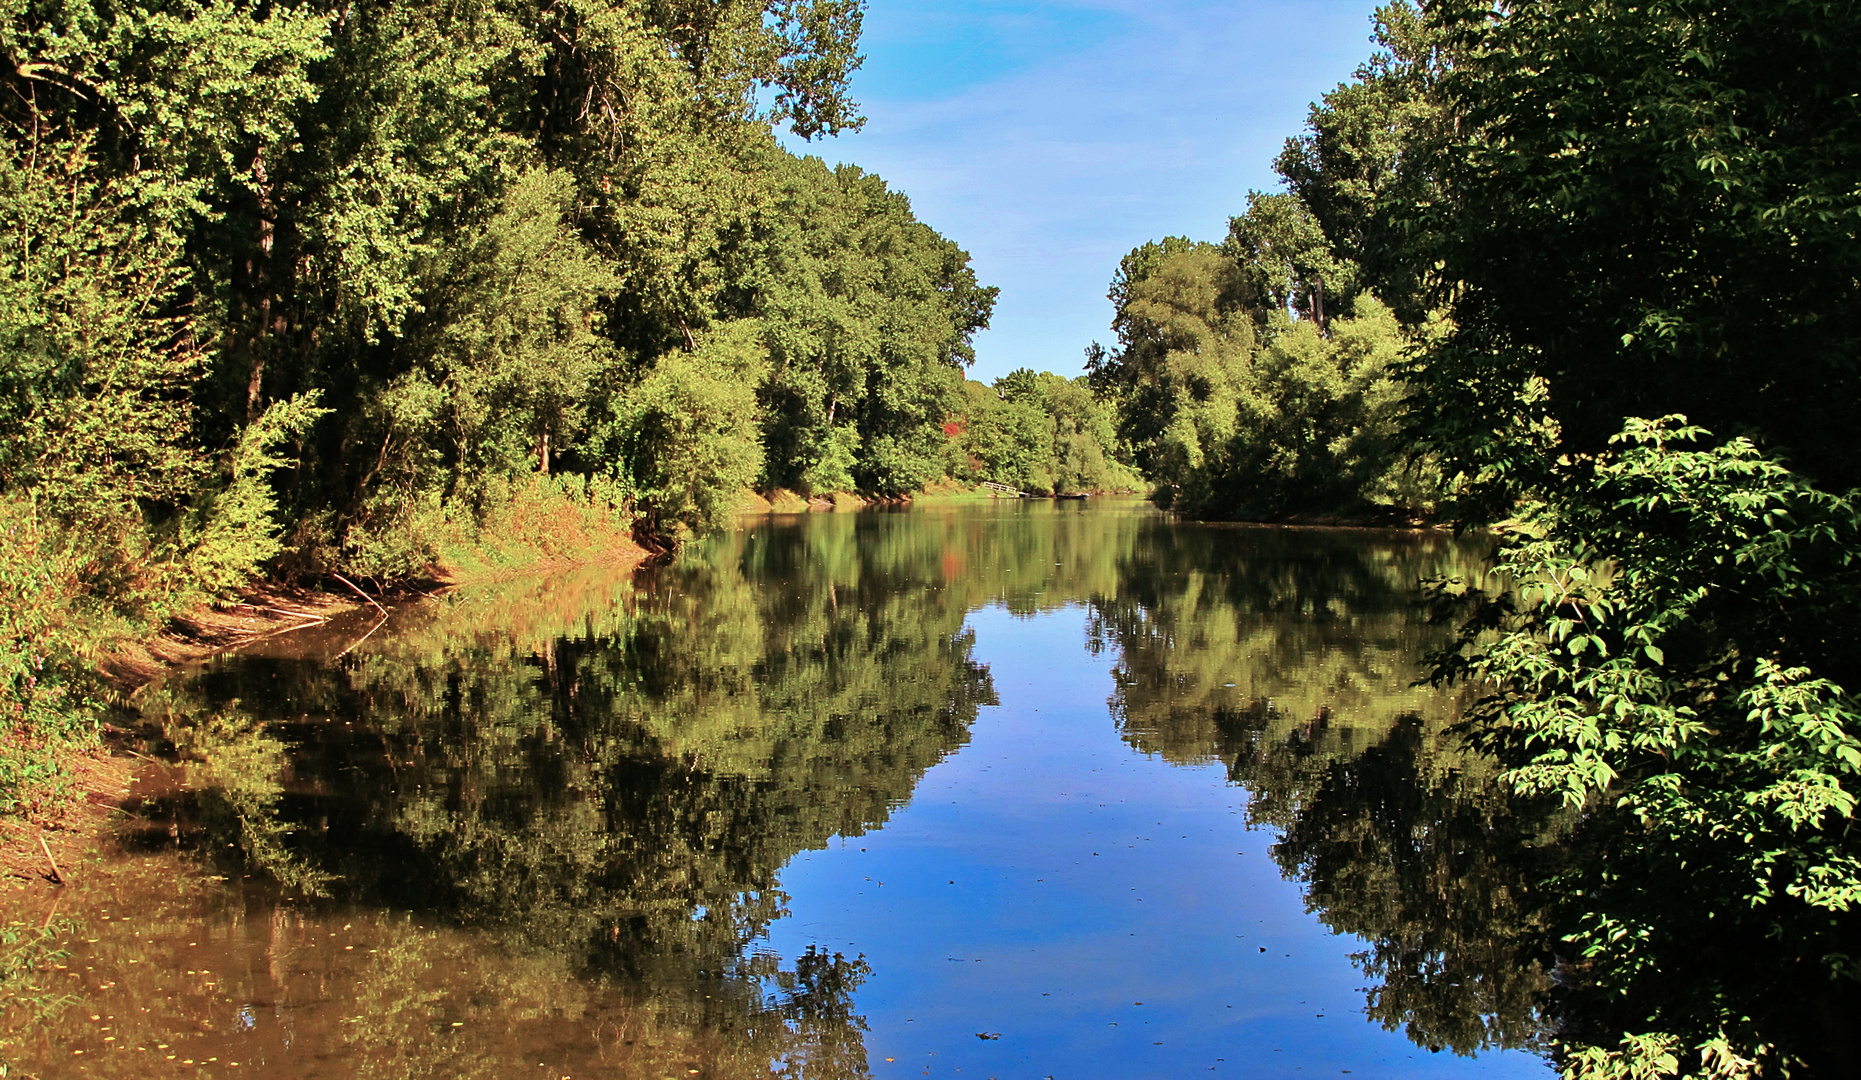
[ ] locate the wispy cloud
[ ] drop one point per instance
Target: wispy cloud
(1051, 138)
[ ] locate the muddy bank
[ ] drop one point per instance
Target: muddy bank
(72, 824)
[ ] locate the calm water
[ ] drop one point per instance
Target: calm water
(1017, 790)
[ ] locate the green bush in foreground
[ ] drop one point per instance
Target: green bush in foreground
(1658, 667)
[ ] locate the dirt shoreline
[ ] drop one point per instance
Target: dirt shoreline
(59, 840)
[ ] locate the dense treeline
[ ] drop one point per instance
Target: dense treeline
(434, 249)
(1587, 272)
(1038, 432)
(1259, 378)
(316, 289)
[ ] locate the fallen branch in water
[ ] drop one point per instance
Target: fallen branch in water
(57, 878)
(360, 593)
(287, 611)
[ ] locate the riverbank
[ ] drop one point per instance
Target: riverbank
(79, 774)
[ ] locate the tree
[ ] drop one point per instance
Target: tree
(1318, 428)
(869, 315)
(1186, 331)
(1642, 226)
(1234, 408)
(1352, 168)
(1644, 210)
(683, 440)
(1284, 250)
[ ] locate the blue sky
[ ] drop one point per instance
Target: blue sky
(1050, 138)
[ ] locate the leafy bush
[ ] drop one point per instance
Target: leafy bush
(684, 440)
(46, 712)
(234, 530)
(1660, 666)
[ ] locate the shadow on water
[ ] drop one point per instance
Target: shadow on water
(541, 825)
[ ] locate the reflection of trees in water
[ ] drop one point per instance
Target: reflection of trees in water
(1410, 846)
(1320, 626)
(183, 974)
(619, 783)
(1290, 656)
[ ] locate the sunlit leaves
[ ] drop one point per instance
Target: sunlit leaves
(1656, 674)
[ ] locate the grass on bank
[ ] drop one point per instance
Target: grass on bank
(72, 600)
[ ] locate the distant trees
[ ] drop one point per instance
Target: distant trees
(1038, 432)
(1233, 408)
(1258, 378)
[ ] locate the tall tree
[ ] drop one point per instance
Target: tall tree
(869, 315)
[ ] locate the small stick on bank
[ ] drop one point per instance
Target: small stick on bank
(57, 878)
(360, 593)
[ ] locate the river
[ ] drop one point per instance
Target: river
(1016, 789)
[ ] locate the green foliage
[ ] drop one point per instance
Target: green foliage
(1039, 433)
(1281, 246)
(1186, 328)
(1351, 170)
(468, 230)
(1655, 666)
(518, 323)
(684, 439)
(868, 316)
(1318, 426)
(1648, 210)
(234, 531)
(98, 361)
(46, 690)
(1651, 208)
(1235, 410)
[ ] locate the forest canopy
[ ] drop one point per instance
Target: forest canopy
(459, 247)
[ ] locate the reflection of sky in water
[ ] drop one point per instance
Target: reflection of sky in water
(1048, 878)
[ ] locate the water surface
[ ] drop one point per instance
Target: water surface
(1007, 790)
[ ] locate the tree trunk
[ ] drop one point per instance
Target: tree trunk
(256, 382)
